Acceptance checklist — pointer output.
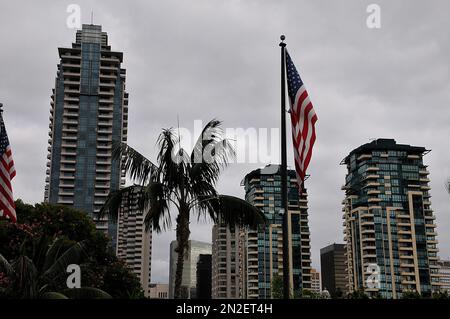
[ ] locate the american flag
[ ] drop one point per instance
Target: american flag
(7, 173)
(303, 119)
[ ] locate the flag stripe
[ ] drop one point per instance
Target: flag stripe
(303, 120)
(7, 173)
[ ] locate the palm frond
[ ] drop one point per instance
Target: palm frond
(134, 163)
(53, 295)
(86, 293)
(114, 201)
(40, 249)
(216, 153)
(168, 169)
(219, 155)
(210, 132)
(53, 252)
(72, 255)
(5, 266)
(154, 201)
(232, 210)
(25, 281)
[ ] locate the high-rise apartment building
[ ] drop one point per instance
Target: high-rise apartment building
(333, 269)
(315, 281)
(134, 243)
(228, 262)
(88, 114)
(389, 224)
(264, 247)
(189, 276)
(444, 272)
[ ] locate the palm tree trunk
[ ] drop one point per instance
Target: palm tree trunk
(182, 233)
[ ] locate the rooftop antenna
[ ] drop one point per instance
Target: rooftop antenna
(92, 17)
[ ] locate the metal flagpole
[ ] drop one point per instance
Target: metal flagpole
(284, 198)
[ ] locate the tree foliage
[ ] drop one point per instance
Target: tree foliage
(43, 224)
(277, 287)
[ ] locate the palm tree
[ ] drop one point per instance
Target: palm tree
(35, 277)
(184, 181)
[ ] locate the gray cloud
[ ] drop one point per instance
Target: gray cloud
(203, 59)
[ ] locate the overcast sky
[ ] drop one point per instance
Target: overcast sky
(204, 59)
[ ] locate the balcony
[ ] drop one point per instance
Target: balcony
(66, 193)
(403, 224)
(109, 101)
(372, 184)
(71, 99)
(371, 176)
(364, 157)
(105, 108)
(106, 93)
(70, 130)
(108, 67)
(108, 76)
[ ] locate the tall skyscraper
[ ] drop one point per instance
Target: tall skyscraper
(88, 114)
(333, 270)
(189, 276)
(264, 247)
(204, 271)
(444, 272)
(227, 262)
(389, 224)
(315, 281)
(134, 243)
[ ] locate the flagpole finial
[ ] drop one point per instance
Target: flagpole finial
(282, 38)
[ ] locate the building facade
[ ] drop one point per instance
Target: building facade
(333, 269)
(227, 262)
(264, 247)
(390, 229)
(88, 114)
(315, 281)
(204, 274)
(444, 272)
(159, 291)
(134, 243)
(189, 276)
